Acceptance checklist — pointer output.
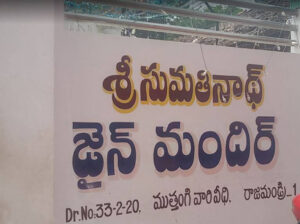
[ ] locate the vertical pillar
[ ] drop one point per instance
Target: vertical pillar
(296, 35)
(26, 112)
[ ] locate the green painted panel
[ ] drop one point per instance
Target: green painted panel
(295, 4)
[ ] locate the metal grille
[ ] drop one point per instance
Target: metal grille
(133, 17)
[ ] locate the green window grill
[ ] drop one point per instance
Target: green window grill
(295, 4)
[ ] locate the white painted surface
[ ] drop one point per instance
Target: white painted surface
(296, 35)
(26, 113)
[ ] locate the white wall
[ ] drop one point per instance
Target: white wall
(296, 36)
(26, 113)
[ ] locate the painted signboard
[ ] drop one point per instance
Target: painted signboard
(161, 132)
